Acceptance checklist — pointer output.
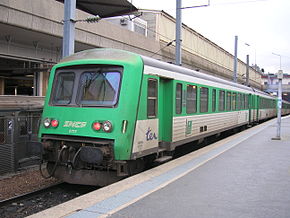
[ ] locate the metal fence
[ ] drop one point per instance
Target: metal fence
(19, 146)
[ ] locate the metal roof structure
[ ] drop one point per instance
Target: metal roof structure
(105, 8)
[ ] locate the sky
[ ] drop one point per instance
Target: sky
(264, 25)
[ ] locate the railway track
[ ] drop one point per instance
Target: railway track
(33, 202)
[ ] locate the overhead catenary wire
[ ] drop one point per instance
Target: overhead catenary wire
(168, 44)
(183, 46)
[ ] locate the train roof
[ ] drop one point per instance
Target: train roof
(104, 54)
(122, 55)
(185, 71)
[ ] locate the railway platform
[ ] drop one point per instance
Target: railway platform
(245, 175)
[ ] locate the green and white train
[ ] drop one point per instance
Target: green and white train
(110, 112)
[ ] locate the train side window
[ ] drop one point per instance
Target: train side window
(241, 101)
(229, 101)
(152, 98)
(213, 100)
(234, 101)
(238, 96)
(191, 99)
(203, 99)
(221, 100)
(178, 99)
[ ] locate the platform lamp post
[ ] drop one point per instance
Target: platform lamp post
(279, 103)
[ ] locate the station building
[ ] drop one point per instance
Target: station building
(270, 85)
(31, 43)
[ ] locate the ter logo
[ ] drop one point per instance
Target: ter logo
(150, 135)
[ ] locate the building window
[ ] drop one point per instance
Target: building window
(152, 98)
(213, 100)
(191, 99)
(221, 100)
(178, 99)
(139, 28)
(203, 99)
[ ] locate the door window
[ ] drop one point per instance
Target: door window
(152, 98)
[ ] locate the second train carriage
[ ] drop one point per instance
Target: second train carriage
(108, 112)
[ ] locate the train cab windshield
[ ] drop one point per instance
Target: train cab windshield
(99, 88)
(87, 87)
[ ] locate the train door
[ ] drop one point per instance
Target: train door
(165, 110)
(253, 104)
(154, 124)
(252, 108)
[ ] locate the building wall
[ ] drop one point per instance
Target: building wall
(270, 84)
(45, 16)
(39, 31)
(208, 55)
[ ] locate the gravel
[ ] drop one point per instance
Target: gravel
(22, 182)
(28, 181)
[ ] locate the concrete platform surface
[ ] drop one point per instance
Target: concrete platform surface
(245, 175)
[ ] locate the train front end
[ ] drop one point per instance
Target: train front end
(89, 116)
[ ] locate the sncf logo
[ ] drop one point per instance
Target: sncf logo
(74, 124)
(150, 135)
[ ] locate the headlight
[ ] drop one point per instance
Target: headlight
(46, 122)
(107, 126)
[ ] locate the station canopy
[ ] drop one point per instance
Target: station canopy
(105, 8)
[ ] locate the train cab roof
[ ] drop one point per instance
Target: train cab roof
(103, 54)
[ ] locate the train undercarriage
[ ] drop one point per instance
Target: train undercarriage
(86, 161)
